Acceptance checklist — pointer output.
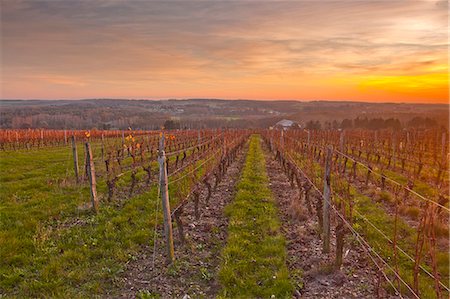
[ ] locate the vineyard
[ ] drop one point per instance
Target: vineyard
(224, 213)
(373, 188)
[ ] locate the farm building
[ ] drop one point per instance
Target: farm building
(286, 124)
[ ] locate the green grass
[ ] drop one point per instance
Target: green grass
(52, 246)
(42, 253)
(420, 186)
(254, 259)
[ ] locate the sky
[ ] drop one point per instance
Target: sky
(377, 51)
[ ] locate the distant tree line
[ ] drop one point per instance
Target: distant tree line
(421, 122)
(373, 124)
(121, 114)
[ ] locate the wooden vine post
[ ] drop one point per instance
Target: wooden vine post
(163, 184)
(394, 145)
(341, 146)
(341, 141)
(326, 201)
(103, 147)
(75, 158)
(91, 176)
(271, 140)
(222, 133)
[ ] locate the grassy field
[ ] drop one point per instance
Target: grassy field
(254, 259)
(52, 244)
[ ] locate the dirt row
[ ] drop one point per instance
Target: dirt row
(194, 274)
(356, 279)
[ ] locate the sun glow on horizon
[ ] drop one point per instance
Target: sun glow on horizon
(369, 51)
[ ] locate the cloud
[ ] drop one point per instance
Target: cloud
(193, 44)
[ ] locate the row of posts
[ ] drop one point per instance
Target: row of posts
(90, 170)
(326, 189)
(163, 184)
(164, 191)
(327, 183)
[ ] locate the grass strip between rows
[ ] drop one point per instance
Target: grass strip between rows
(254, 259)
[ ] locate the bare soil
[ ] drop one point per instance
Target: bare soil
(194, 274)
(319, 279)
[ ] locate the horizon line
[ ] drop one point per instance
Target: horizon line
(225, 99)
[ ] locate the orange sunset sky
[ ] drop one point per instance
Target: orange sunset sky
(386, 51)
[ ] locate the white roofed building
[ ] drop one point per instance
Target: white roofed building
(286, 124)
